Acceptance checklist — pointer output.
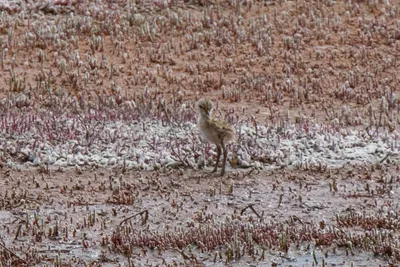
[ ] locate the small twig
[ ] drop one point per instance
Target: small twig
(361, 195)
(10, 207)
(382, 160)
(169, 117)
(247, 174)
(18, 232)
(11, 252)
(315, 207)
(282, 256)
(184, 256)
(280, 200)
(250, 206)
(179, 158)
(295, 218)
(133, 216)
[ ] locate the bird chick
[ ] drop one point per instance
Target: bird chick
(215, 131)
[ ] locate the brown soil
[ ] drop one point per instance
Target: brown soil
(81, 216)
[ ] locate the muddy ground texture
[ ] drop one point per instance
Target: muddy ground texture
(102, 163)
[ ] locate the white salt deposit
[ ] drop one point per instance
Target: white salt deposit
(149, 144)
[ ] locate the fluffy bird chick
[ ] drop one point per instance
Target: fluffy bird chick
(215, 131)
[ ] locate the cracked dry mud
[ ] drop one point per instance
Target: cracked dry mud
(102, 163)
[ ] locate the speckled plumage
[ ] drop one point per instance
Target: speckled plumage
(214, 130)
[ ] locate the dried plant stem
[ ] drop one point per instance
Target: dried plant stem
(250, 206)
(382, 160)
(146, 212)
(280, 200)
(11, 252)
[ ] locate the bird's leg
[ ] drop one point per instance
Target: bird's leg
(224, 159)
(218, 156)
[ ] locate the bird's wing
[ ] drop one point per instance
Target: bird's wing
(223, 129)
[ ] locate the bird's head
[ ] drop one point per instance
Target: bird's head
(205, 107)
